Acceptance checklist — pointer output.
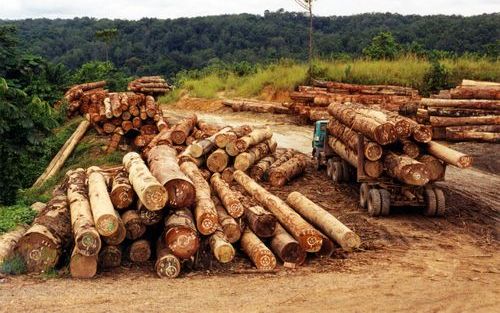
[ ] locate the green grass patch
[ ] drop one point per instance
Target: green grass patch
(11, 216)
(13, 266)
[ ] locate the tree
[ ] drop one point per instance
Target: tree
(307, 5)
(107, 36)
(97, 70)
(383, 46)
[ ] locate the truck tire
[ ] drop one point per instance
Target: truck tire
(329, 168)
(374, 202)
(337, 172)
(364, 189)
(440, 202)
(430, 202)
(346, 172)
(385, 197)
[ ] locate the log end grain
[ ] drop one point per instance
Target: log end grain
(181, 193)
(110, 256)
(81, 266)
(167, 265)
(182, 241)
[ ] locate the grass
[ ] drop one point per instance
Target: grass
(12, 216)
(13, 266)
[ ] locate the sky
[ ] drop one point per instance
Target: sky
(136, 9)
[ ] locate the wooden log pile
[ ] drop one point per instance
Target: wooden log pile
(469, 112)
(394, 146)
(135, 116)
(256, 106)
(149, 85)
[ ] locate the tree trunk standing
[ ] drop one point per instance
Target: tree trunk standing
(151, 193)
(448, 155)
(262, 222)
(181, 235)
(139, 251)
(461, 104)
(118, 237)
(229, 225)
(260, 255)
(182, 130)
(434, 166)
(163, 165)
(87, 239)
(245, 160)
(122, 194)
(205, 212)
(105, 217)
(133, 224)
(286, 247)
(167, 264)
(257, 136)
(279, 176)
(221, 248)
(318, 216)
(217, 161)
(439, 121)
(308, 237)
(406, 169)
(110, 256)
(82, 266)
(42, 244)
(227, 196)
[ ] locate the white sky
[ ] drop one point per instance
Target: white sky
(136, 9)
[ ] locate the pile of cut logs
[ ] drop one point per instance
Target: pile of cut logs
(116, 113)
(164, 205)
(469, 112)
(149, 85)
(395, 146)
(256, 106)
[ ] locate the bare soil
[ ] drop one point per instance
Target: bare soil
(407, 261)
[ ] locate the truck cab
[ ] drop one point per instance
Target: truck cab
(319, 136)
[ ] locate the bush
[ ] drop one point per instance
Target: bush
(97, 70)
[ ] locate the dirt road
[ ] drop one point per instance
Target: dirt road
(408, 262)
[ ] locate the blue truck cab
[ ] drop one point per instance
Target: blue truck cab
(319, 135)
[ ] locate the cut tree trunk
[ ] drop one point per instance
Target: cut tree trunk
(163, 165)
(217, 161)
(148, 217)
(475, 92)
(133, 224)
(406, 169)
(308, 237)
(205, 211)
(87, 239)
(118, 237)
(222, 139)
(167, 264)
(228, 197)
(105, 216)
(410, 148)
(258, 170)
(227, 174)
(181, 235)
(245, 160)
(467, 135)
(434, 165)
(439, 121)
(221, 248)
(260, 255)
(182, 130)
(461, 104)
(327, 248)
(257, 136)
(261, 221)
(122, 194)
(82, 266)
(279, 176)
(371, 168)
(449, 155)
(286, 247)
(151, 193)
(459, 112)
(110, 257)
(139, 251)
(204, 146)
(318, 216)
(230, 227)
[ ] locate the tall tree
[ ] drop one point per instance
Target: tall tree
(107, 36)
(307, 5)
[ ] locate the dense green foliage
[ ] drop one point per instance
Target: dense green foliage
(155, 46)
(12, 216)
(383, 46)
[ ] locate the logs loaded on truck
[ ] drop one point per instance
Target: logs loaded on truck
(393, 157)
(181, 200)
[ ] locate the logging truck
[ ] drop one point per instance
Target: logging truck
(377, 195)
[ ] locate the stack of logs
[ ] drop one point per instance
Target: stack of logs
(395, 146)
(311, 102)
(116, 113)
(470, 112)
(164, 205)
(149, 85)
(256, 106)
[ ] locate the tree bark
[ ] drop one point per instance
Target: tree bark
(439, 121)
(257, 136)
(327, 248)
(410, 148)
(279, 176)
(461, 104)
(163, 165)
(204, 146)
(181, 235)
(325, 221)
(372, 168)
(110, 256)
(148, 217)
(139, 251)
(217, 161)
(476, 92)
(406, 169)
(151, 193)
(167, 264)
(182, 130)
(133, 224)
(286, 247)
(122, 194)
(205, 212)
(459, 112)
(434, 165)
(261, 221)
(221, 248)
(260, 255)
(230, 227)
(227, 174)
(308, 237)
(82, 266)
(245, 160)
(227, 196)
(449, 155)
(258, 170)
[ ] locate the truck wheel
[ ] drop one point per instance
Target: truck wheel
(430, 202)
(440, 202)
(346, 172)
(363, 194)
(337, 174)
(329, 168)
(385, 197)
(374, 202)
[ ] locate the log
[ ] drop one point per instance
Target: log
(223, 139)
(466, 92)
(327, 248)
(325, 221)
(105, 217)
(116, 106)
(82, 266)
(139, 251)
(204, 146)
(245, 160)
(467, 135)
(122, 194)
(133, 224)
(162, 161)
(151, 193)
(227, 174)
(205, 211)
(410, 148)
(260, 255)
(182, 130)
(42, 244)
(439, 121)
(475, 83)
(279, 176)
(459, 112)
(257, 136)
(167, 264)
(110, 256)
(118, 237)
(258, 170)
(406, 169)
(308, 237)
(230, 227)
(148, 217)
(87, 240)
(221, 248)
(461, 104)
(228, 198)
(284, 157)
(217, 161)
(9, 240)
(286, 247)
(260, 221)
(181, 236)
(434, 166)
(58, 161)
(371, 168)
(186, 156)
(449, 155)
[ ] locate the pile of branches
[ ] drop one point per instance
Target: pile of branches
(395, 146)
(135, 115)
(150, 85)
(166, 206)
(470, 112)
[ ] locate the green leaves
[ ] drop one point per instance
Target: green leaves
(383, 46)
